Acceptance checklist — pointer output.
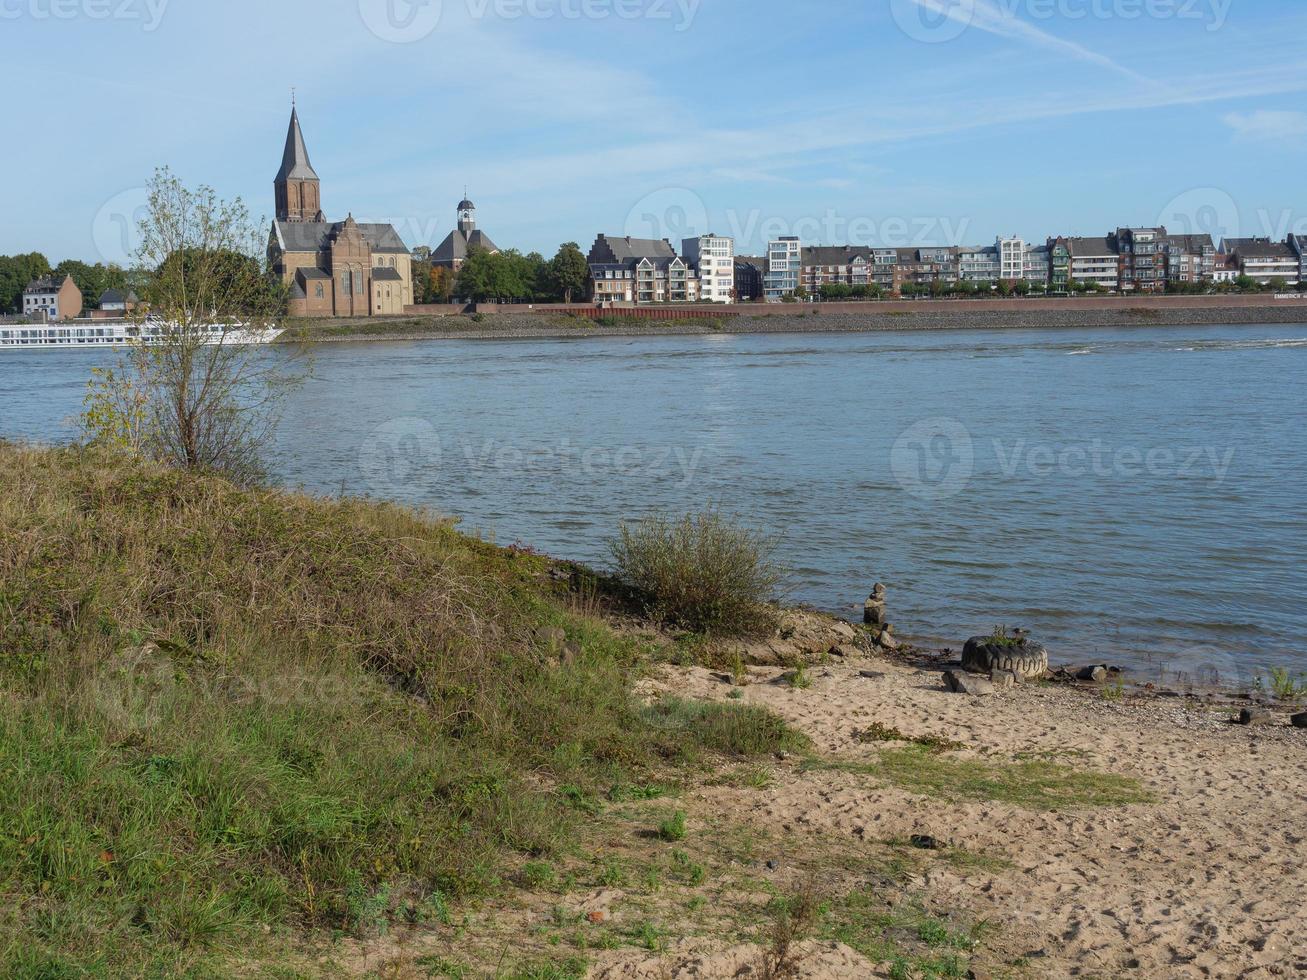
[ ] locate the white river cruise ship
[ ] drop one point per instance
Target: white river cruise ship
(73, 334)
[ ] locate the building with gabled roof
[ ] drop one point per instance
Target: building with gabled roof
(640, 271)
(332, 268)
(452, 252)
(1095, 260)
(1264, 260)
(52, 298)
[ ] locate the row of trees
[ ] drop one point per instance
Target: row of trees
(1021, 287)
(506, 277)
(16, 271)
(843, 291)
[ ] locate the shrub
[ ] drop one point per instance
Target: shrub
(702, 572)
(673, 828)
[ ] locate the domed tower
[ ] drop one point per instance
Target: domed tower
(467, 216)
(299, 196)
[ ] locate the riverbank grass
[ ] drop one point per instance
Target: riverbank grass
(1028, 783)
(233, 719)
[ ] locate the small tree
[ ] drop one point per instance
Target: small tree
(192, 392)
(569, 272)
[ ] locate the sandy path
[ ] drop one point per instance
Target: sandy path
(1206, 882)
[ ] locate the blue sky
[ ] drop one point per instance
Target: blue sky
(874, 121)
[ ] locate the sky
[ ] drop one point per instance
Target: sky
(867, 122)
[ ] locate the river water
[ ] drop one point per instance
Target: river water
(1135, 496)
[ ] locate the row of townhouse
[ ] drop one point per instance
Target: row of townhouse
(644, 271)
(1126, 260)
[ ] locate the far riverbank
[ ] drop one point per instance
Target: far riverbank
(828, 318)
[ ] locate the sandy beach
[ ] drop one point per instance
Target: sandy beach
(1206, 881)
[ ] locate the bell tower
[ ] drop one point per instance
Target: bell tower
(299, 196)
(467, 215)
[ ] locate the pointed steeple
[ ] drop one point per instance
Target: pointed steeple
(295, 163)
(299, 195)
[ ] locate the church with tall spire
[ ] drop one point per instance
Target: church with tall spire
(332, 268)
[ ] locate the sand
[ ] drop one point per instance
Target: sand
(1207, 881)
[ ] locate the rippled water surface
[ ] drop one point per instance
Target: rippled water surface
(1135, 495)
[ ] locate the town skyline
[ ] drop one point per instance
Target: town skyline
(563, 140)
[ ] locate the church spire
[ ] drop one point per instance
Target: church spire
(297, 185)
(295, 158)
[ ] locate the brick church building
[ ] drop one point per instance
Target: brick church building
(333, 268)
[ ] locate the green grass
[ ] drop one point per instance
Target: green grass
(1032, 784)
(233, 716)
(880, 732)
(673, 828)
(1285, 686)
(736, 729)
(916, 943)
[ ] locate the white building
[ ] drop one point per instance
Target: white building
(1095, 260)
(1011, 259)
(784, 265)
(714, 257)
(979, 263)
(1265, 260)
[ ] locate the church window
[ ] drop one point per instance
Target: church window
(317, 290)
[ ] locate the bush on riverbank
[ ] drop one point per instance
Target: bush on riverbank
(702, 572)
(227, 712)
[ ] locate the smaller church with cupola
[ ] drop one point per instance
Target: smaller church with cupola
(333, 268)
(452, 252)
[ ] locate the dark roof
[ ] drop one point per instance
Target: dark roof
(618, 251)
(315, 236)
(386, 274)
(836, 255)
(295, 163)
(313, 273)
(1259, 248)
(1190, 243)
(457, 242)
(116, 296)
(466, 205)
(1092, 246)
(46, 284)
(755, 260)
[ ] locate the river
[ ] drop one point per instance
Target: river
(1131, 496)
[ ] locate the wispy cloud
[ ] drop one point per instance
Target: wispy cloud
(1268, 126)
(761, 151)
(985, 15)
